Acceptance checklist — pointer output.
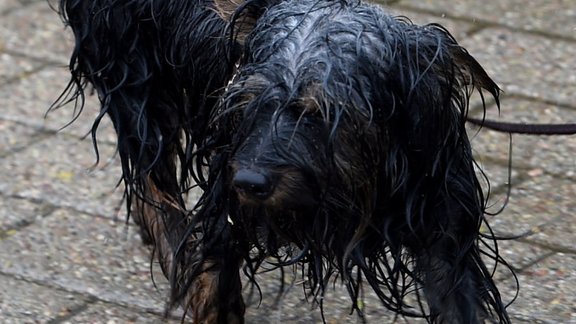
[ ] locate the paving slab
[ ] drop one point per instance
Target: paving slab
(535, 203)
(533, 15)
(67, 176)
(29, 29)
(518, 255)
(29, 100)
(546, 291)
(87, 255)
(458, 29)
(556, 155)
(16, 213)
(16, 66)
(25, 302)
(557, 235)
(7, 5)
(15, 136)
(526, 64)
(112, 314)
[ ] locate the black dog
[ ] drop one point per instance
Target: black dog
(324, 134)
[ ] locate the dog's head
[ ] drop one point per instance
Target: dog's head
(342, 107)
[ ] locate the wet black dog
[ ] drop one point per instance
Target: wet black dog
(323, 134)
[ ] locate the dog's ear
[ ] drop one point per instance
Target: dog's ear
(472, 72)
(241, 14)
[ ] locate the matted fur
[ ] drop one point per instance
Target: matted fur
(350, 123)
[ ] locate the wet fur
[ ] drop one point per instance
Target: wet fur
(355, 117)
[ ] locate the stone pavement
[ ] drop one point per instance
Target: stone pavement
(67, 255)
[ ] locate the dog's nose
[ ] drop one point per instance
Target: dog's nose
(253, 183)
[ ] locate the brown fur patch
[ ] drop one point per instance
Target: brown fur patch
(244, 21)
(207, 302)
(150, 214)
(311, 98)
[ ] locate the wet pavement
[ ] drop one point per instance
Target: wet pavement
(68, 256)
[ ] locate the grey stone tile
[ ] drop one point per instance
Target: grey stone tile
(535, 203)
(518, 255)
(559, 234)
(23, 3)
(493, 173)
(28, 100)
(37, 32)
(24, 302)
(15, 213)
(14, 136)
(61, 171)
(7, 5)
(14, 67)
(527, 111)
(113, 314)
(528, 65)
(556, 154)
(528, 15)
(546, 291)
(88, 255)
(458, 29)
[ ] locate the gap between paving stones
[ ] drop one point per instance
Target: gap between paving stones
(27, 73)
(89, 300)
(45, 210)
(73, 311)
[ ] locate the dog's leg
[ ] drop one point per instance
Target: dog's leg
(451, 289)
(211, 274)
(456, 282)
(215, 295)
(157, 215)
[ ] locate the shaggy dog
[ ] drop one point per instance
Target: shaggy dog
(325, 135)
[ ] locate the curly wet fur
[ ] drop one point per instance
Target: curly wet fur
(355, 118)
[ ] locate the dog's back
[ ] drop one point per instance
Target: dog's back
(157, 67)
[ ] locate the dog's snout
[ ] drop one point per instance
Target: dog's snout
(256, 184)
